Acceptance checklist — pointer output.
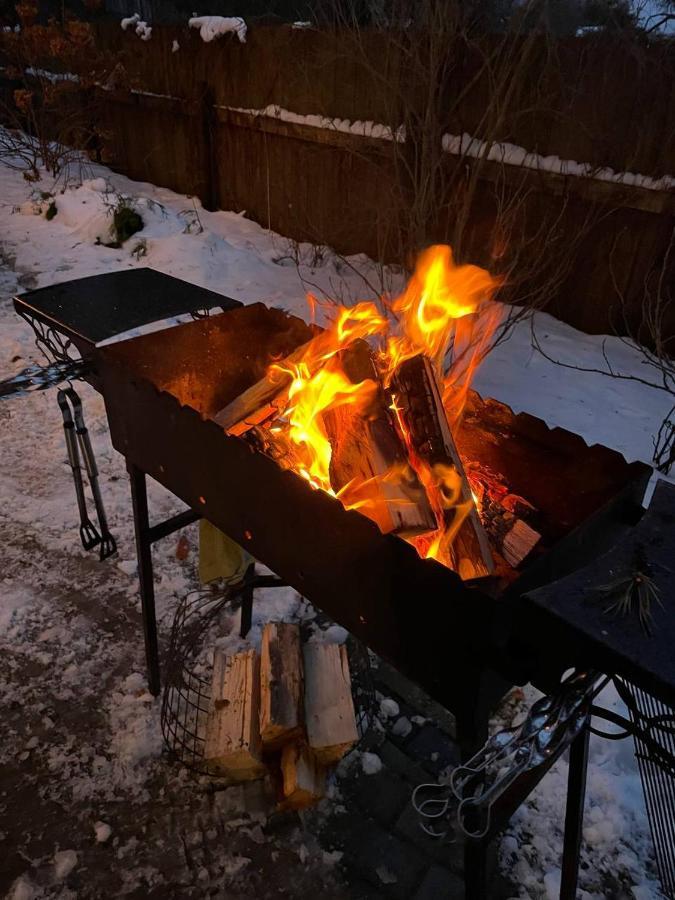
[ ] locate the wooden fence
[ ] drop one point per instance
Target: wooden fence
(187, 125)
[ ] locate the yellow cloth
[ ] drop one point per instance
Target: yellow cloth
(219, 555)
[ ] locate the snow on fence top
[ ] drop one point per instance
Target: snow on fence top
(365, 128)
(466, 145)
(211, 27)
(142, 29)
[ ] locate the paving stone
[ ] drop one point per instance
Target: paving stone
(439, 850)
(398, 761)
(440, 884)
(368, 847)
(430, 742)
(382, 795)
(389, 680)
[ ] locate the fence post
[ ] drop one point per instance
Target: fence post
(209, 164)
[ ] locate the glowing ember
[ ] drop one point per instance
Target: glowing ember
(436, 316)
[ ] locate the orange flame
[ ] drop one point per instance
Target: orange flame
(437, 315)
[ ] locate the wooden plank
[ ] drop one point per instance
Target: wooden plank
(419, 396)
(304, 778)
(233, 746)
(281, 685)
(329, 707)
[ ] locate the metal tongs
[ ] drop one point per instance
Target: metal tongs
(551, 725)
(78, 442)
(39, 378)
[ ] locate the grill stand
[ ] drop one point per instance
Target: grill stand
(146, 536)
(574, 814)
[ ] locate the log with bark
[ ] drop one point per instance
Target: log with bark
(281, 685)
(418, 394)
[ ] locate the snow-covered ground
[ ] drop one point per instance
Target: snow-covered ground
(62, 614)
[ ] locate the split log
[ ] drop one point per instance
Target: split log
(304, 778)
(369, 455)
(512, 536)
(233, 746)
(329, 707)
(418, 393)
(264, 399)
(281, 685)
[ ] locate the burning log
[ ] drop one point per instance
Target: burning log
(329, 707)
(280, 685)
(512, 536)
(233, 744)
(304, 779)
(267, 397)
(369, 461)
(417, 393)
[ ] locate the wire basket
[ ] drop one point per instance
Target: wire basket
(186, 700)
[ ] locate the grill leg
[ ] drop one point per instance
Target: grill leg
(139, 501)
(471, 735)
(574, 814)
(247, 601)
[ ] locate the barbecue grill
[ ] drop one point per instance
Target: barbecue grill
(464, 642)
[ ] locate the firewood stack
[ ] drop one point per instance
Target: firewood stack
(288, 711)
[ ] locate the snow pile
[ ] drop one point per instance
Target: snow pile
(211, 27)
(142, 29)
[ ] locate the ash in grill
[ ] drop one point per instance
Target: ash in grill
(465, 640)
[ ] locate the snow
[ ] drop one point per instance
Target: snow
(64, 863)
(467, 145)
(371, 763)
(388, 708)
(48, 620)
(102, 832)
(142, 29)
(514, 155)
(365, 128)
(401, 727)
(211, 27)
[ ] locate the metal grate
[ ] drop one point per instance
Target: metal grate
(654, 735)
